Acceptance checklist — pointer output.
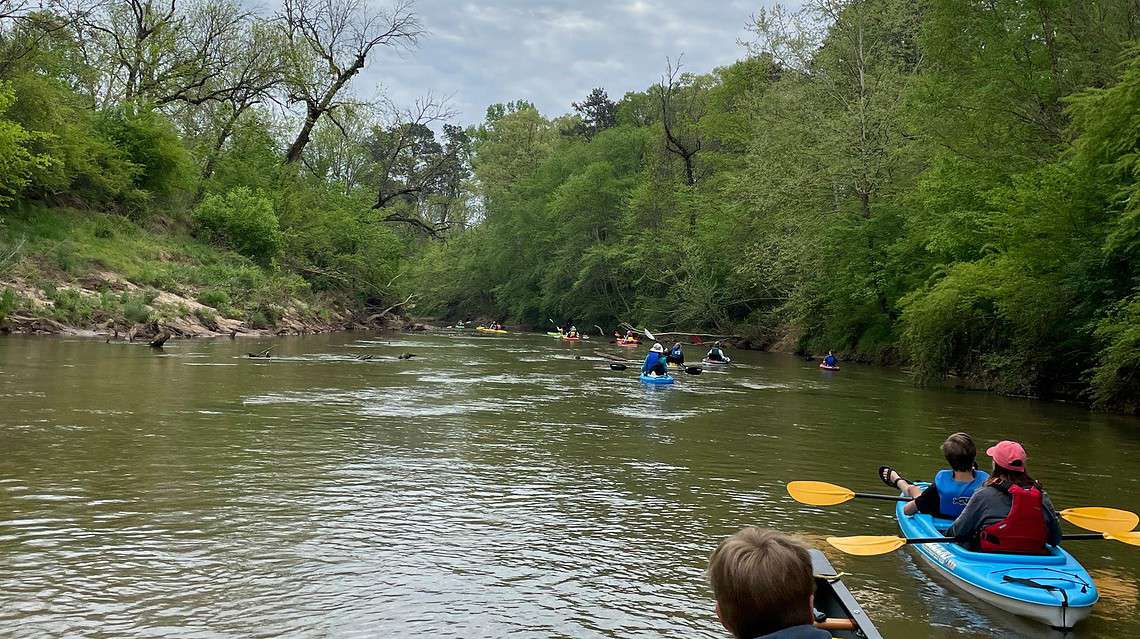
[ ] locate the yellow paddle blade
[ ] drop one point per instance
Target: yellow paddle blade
(1132, 537)
(818, 493)
(867, 545)
(1102, 520)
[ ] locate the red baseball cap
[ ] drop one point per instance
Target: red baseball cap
(1008, 455)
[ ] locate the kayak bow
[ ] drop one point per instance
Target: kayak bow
(838, 612)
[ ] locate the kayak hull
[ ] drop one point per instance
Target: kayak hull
(622, 342)
(716, 362)
(828, 368)
(656, 380)
(983, 575)
(482, 329)
(833, 599)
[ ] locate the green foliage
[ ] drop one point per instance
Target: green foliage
(245, 220)
(149, 141)
(17, 162)
(1116, 376)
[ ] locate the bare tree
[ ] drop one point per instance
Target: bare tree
(680, 102)
(411, 164)
(256, 74)
(24, 26)
(152, 49)
(331, 42)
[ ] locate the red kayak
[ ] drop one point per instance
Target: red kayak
(626, 342)
(828, 368)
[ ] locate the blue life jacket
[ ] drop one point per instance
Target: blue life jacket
(954, 495)
(830, 361)
(654, 361)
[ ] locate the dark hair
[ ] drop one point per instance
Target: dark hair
(762, 581)
(960, 451)
(1007, 477)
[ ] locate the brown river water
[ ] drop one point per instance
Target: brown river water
(490, 487)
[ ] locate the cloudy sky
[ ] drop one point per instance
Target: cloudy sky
(553, 52)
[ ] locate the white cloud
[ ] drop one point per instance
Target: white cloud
(552, 52)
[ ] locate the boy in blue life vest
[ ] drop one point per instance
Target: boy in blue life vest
(676, 355)
(655, 361)
(830, 360)
(764, 586)
(951, 489)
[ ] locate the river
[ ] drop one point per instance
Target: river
(489, 487)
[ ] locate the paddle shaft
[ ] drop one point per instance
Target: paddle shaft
(947, 540)
(883, 497)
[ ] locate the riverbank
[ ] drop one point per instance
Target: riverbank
(78, 272)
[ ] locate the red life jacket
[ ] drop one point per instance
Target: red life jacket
(1023, 529)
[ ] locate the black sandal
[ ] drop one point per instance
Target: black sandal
(885, 475)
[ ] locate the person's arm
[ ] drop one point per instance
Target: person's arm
(1052, 522)
(966, 525)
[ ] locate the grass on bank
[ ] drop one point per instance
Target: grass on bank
(59, 251)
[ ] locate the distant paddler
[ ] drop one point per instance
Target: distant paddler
(655, 363)
(716, 355)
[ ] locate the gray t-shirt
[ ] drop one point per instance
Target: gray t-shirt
(990, 505)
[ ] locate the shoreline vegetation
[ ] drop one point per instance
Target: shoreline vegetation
(946, 186)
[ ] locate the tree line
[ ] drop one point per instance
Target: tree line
(949, 184)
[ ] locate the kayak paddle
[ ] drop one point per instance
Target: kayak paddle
(870, 545)
(1102, 520)
(820, 493)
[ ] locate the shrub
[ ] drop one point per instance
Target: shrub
(136, 311)
(151, 143)
(243, 219)
(215, 298)
(8, 303)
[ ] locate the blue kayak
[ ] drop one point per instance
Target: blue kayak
(1053, 589)
(657, 379)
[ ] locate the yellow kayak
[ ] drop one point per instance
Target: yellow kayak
(483, 329)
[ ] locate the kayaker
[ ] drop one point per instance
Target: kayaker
(676, 355)
(716, 353)
(572, 333)
(655, 361)
(1011, 513)
(830, 360)
(764, 586)
(951, 489)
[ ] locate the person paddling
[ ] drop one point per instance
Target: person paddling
(716, 353)
(1011, 513)
(951, 489)
(676, 355)
(572, 333)
(830, 360)
(655, 361)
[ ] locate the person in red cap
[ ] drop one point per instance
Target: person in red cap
(1011, 512)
